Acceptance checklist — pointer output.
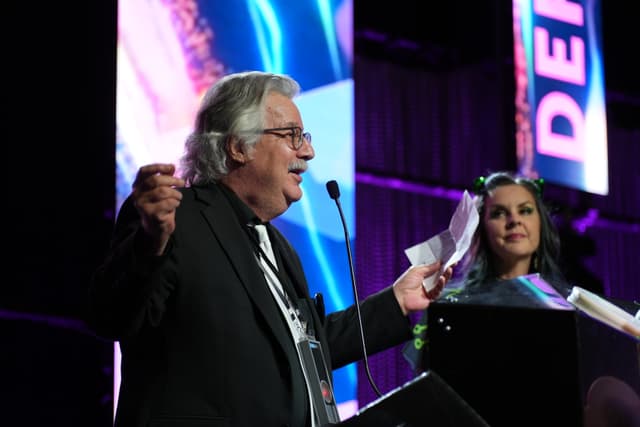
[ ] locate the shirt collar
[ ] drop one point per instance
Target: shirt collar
(244, 213)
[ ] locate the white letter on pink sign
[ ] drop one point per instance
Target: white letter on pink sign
(556, 104)
(556, 65)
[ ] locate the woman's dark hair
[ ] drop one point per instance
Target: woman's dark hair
(478, 263)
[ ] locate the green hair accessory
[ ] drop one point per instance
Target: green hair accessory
(480, 183)
(539, 184)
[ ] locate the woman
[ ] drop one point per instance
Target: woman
(515, 237)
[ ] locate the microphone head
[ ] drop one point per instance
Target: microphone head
(332, 188)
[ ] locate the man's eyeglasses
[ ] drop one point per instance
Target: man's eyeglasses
(294, 132)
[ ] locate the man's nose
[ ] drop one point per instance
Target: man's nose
(306, 150)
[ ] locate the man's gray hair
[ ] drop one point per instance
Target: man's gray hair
(233, 106)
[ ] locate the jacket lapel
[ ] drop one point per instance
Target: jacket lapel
(225, 226)
(291, 263)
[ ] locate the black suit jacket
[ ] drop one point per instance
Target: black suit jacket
(203, 342)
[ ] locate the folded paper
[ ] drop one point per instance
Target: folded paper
(450, 245)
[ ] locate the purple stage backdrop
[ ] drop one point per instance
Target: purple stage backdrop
(422, 137)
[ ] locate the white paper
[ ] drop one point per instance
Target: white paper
(450, 245)
(604, 311)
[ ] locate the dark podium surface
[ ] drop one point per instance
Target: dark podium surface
(426, 400)
(520, 355)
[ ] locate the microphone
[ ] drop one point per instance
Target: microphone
(334, 193)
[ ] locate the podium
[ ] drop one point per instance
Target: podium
(520, 355)
(426, 400)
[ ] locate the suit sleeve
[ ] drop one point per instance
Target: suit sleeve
(383, 323)
(129, 290)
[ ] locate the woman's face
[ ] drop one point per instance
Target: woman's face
(512, 224)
